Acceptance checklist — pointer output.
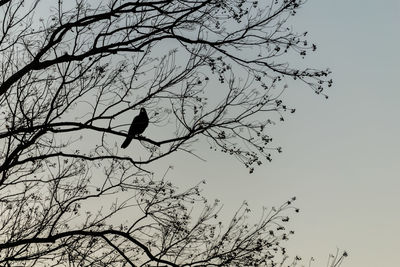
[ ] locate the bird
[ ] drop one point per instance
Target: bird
(139, 124)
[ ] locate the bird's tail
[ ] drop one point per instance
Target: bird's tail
(126, 143)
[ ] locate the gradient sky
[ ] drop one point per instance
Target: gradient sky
(341, 156)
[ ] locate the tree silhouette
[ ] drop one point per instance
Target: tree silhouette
(73, 74)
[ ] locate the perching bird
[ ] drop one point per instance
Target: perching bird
(139, 124)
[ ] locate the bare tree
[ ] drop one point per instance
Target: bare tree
(73, 75)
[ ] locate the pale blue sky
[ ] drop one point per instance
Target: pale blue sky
(341, 156)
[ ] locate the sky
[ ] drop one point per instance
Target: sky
(341, 155)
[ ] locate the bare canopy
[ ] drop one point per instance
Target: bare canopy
(74, 74)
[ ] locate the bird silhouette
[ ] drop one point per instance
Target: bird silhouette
(139, 124)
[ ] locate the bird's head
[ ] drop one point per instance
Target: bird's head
(143, 111)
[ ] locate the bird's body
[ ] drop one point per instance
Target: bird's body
(139, 124)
